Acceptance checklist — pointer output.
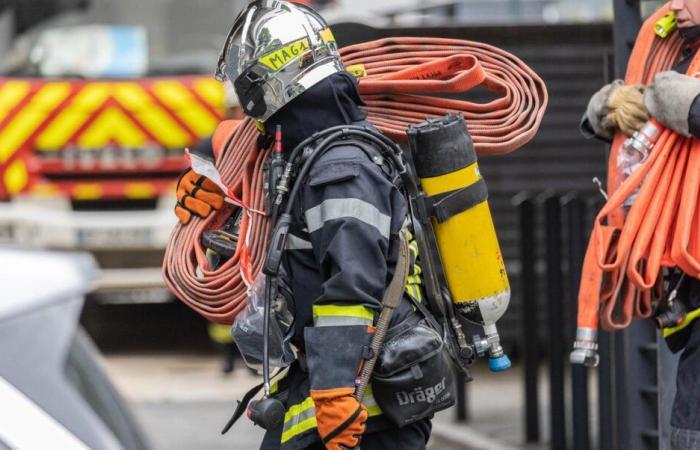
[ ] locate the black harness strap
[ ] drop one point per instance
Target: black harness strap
(448, 204)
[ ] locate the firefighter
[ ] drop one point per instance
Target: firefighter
(341, 252)
(673, 100)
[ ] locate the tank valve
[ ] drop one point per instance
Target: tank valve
(491, 345)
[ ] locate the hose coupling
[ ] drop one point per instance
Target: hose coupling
(585, 348)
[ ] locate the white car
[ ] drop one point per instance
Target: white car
(54, 392)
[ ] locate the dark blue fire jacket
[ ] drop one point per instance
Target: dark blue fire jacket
(339, 259)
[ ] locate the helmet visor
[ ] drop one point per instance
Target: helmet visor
(234, 48)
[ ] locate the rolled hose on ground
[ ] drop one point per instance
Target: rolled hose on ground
(402, 77)
(622, 272)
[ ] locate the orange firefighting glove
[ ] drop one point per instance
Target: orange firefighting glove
(340, 417)
(196, 195)
(335, 355)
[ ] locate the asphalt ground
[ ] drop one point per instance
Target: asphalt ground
(182, 401)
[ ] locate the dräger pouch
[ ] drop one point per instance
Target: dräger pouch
(414, 377)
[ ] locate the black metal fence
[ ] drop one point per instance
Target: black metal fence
(633, 394)
(563, 228)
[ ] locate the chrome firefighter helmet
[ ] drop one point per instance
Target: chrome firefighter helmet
(274, 51)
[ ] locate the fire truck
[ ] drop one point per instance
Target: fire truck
(96, 108)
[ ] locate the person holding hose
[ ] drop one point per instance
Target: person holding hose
(342, 248)
(673, 100)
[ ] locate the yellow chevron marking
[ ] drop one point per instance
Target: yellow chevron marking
(180, 100)
(87, 191)
(139, 190)
(12, 93)
(150, 115)
(72, 117)
(16, 176)
(112, 126)
(30, 117)
(211, 91)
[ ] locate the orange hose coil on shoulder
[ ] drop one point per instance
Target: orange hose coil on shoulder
(403, 74)
(622, 273)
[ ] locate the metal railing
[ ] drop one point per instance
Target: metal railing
(633, 393)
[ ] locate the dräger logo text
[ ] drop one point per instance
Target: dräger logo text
(420, 394)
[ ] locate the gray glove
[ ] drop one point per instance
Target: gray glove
(597, 110)
(669, 97)
(617, 105)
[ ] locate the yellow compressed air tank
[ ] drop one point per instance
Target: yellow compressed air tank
(446, 164)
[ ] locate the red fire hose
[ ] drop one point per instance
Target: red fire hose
(402, 77)
(622, 273)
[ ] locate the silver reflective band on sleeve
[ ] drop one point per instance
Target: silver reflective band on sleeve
(336, 208)
(335, 321)
(297, 243)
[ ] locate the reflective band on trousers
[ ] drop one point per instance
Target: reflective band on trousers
(336, 208)
(301, 417)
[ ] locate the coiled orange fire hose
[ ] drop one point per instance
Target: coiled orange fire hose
(402, 75)
(622, 274)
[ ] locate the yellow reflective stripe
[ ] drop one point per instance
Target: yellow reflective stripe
(304, 425)
(297, 409)
(417, 269)
(87, 191)
(306, 411)
(374, 410)
(414, 279)
(141, 191)
(275, 381)
(69, 120)
(30, 117)
(293, 414)
(413, 247)
(687, 321)
(159, 123)
(16, 176)
(370, 403)
(112, 126)
(354, 311)
(181, 101)
(211, 91)
(11, 93)
(415, 292)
